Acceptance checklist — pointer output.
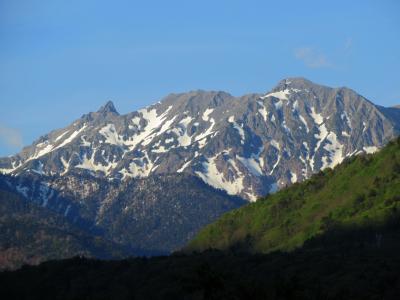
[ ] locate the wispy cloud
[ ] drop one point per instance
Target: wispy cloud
(312, 58)
(10, 136)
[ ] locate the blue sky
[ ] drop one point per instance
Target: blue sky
(61, 59)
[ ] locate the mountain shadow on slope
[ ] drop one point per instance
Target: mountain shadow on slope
(55, 218)
(31, 234)
(343, 263)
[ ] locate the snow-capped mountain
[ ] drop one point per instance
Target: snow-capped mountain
(248, 146)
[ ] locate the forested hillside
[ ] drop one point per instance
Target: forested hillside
(362, 191)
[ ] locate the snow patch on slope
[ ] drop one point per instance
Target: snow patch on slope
(206, 114)
(71, 137)
(201, 138)
(238, 128)
(370, 149)
(335, 149)
(184, 166)
(321, 136)
(344, 116)
(47, 149)
(154, 121)
(184, 139)
(139, 167)
(293, 177)
(280, 95)
(90, 164)
(111, 135)
(61, 136)
(212, 176)
(263, 111)
(252, 164)
(304, 122)
(318, 119)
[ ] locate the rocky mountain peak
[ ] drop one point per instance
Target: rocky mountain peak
(294, 82)
(108, 108)
(247, 146)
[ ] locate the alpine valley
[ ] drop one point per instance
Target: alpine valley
(146, 182)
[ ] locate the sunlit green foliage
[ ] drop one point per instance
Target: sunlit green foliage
(362, 191)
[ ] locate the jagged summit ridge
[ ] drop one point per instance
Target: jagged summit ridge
(247, 146)
(108, 108)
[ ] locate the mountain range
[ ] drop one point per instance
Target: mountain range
(150, 179)
(248, 146)
(333, 236)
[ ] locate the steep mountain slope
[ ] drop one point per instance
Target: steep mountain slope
(30, 234)
(153, 215)
(248, 145)
(362, 191)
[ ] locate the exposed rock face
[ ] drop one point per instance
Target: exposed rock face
(248, 146)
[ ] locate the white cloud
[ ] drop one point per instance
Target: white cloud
(312, 58)
(10, 136)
